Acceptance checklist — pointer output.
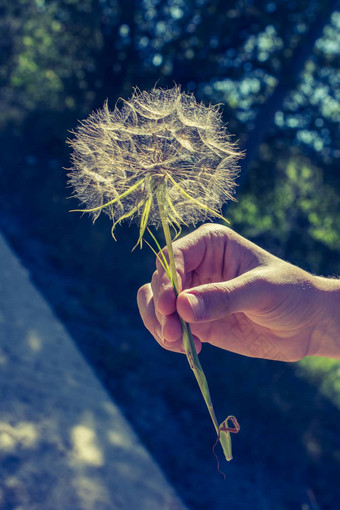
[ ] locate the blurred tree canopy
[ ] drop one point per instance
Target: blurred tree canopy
(274, 66)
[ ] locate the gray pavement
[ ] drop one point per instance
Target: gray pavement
(64, 444)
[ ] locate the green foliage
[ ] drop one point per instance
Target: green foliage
(323, 373)
(300, 210)
(50, 50)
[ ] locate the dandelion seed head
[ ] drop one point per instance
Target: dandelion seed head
(157, 138)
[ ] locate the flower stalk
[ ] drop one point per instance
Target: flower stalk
(188, 341)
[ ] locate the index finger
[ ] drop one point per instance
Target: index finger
(163, 292)
(189, 252)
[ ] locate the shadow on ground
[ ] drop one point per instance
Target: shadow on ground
(64, 443)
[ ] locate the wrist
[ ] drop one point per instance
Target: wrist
(325, 337)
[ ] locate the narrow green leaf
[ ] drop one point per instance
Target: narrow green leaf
(111, 202)
(124, 217)
(172, 207)
(144, 219)
(197, 202)
(161, 257)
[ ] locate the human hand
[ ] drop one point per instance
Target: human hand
(239, 297)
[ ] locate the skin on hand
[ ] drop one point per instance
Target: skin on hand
(239, 297)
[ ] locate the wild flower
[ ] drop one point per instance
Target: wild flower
(162, 139)
(159, 158)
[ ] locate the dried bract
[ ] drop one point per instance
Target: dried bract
(158, 139)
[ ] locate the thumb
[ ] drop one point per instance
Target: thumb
(214, 301)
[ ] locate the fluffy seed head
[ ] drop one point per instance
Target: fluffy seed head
(158, 139)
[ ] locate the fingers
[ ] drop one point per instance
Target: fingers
(166, 330)
(212, 253)
(189, 252)
(163, 292)
(199, 255)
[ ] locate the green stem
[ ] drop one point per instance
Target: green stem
(188, 341)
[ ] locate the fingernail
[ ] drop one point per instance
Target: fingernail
(197, 305)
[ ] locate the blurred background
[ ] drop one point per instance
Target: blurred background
(275, 68)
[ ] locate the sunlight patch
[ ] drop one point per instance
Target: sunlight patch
(22, 435)
(34, 341)
(85, 448)
(118, 439)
